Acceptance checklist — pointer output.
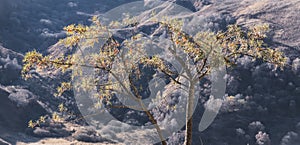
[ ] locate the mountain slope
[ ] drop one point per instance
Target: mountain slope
(271, 96)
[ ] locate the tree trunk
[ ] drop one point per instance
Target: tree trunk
(189, 115)
(154, 122)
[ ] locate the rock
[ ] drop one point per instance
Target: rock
(51, 132)
(10, 66)
(14, 117)
(42, 132)
(88, 135)
(21, 97)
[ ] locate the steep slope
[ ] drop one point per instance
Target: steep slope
(272, 102)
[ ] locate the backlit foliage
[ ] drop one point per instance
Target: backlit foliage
(64, 87)
(33, 124)
(55, 117)
(239, 43)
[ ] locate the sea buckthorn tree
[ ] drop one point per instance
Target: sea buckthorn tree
(206, 50)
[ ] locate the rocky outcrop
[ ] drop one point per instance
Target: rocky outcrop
(10, 66)
(16, 109)
(87, 134)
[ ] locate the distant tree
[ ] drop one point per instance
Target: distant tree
(207, 50)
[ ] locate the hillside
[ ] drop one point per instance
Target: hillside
(270, 97)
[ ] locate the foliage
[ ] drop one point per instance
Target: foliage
(55, 117)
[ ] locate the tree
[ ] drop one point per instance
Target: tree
(206, 51)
